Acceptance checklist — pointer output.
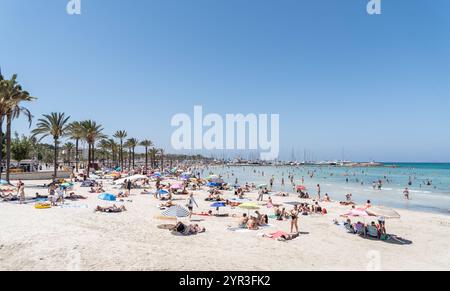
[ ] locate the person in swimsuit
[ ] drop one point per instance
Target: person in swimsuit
(294, 217)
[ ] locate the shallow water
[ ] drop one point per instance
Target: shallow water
(333, 180)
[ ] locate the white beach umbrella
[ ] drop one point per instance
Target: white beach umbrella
(383, 212)
(176, 211)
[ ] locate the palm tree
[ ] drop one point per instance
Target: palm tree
(13, 95)
(153, 153)
(146, 144)
(54, 125)
(106, 147)
(162, 159)
(128, 146)
(121, 135)
(114, 150)
(133, 143)
(3, 111)
(91, 133)
(68, 147)
(75, 132)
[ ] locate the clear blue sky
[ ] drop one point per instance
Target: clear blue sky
(378, 86)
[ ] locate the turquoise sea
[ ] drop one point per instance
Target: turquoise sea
(429, 183)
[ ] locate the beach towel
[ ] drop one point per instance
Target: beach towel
(239, 229)
(74, 206)
(276, 235)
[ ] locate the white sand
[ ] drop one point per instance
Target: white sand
(79, 239)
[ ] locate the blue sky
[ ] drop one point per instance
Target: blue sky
(377, 86)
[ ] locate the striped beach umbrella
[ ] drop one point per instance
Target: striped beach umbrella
(176, 211)
(249, 206)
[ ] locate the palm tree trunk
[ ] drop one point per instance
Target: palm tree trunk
(146, 159)
(133, 158)
(121, 154)
(55, 161)
(1, 146)
(77, 157)
(8, 145)
(93, 153)
(89, 159)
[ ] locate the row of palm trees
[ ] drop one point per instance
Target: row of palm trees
(58, 126)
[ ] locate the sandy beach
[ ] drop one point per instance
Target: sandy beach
(74, 237)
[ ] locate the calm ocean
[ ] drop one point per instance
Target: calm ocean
(429, 183)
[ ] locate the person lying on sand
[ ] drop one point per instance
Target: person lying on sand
(282, 194)
(209, 213)
(168, 204)
(111, 209)
(286, 237)
(184, 229)
(73, 196)
(9, 197)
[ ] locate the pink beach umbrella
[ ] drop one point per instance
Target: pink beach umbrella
(176, 187)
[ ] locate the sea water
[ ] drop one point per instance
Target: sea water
(429, 184)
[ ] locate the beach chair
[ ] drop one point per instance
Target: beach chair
(372, 231)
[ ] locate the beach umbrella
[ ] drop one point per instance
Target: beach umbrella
(383, 212)
(239, 200)
(157, 174)
(212, 177)
(176, 186)
(162, 192)
(107, 197)
(357, 213)
(214, 184)
(67, 185)
(176, 211)
(218, 205)
(249, 206)
(3, 182)
(301, 188)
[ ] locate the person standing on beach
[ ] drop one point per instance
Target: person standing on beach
(190, 204)
(260, 195)
(406, 193)
(21, 191)
(294, 217)
(318, 192)
(129, 184)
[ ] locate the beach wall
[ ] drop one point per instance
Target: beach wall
(38, 175)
